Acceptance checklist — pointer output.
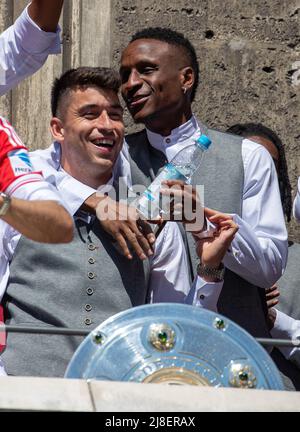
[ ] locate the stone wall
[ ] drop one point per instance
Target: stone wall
(249, 53)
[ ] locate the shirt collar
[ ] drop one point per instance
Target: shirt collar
(81, 214)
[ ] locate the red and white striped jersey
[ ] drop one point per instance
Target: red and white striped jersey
(15, 166)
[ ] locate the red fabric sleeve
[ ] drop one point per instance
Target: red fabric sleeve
(14, 157)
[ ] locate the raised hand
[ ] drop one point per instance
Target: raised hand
(211, 250)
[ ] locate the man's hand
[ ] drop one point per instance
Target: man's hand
(272, 295)
(184, 204)
(124, 224)
(211, 251)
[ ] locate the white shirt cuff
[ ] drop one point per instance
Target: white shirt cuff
(207, 293)
(34, 40)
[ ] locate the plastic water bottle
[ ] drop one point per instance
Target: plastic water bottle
(181, 167)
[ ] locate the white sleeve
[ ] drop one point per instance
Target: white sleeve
(169, 278)
(286, 327)
(24, 48)
(9, 238)
(296, 205)
(258, 253)
(71, 190)
(205, 294)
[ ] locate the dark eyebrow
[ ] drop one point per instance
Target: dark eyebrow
(140, 63)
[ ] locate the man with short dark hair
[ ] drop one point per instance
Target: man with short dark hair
(159, 74)
(82, 283)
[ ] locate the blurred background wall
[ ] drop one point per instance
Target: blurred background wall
(249, 54)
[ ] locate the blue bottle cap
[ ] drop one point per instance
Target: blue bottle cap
(204, 141)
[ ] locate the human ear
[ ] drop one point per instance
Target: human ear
(187, 78)
(57, 129)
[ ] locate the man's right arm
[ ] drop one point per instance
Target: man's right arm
(41, 221)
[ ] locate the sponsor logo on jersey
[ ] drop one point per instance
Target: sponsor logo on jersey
(20, 162)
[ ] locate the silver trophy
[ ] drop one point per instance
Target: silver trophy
(174, 344)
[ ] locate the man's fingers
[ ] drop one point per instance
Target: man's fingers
(142, 240)
(171, 183)
(210, 212)
(272, 288)
(133, 241)
(147, 230)
(123, 245)
(273, 302)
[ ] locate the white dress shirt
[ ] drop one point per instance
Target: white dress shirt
(286, 327)
(296, 205)
(258, 252)
(24, 48)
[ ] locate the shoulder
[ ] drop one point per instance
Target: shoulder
(136, 137)
(255, 154)
(224, 136)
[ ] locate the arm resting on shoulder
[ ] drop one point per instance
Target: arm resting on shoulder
(42, 221)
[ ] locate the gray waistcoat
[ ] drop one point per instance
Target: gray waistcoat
(221, 173)
(289, 284)
(79, 285)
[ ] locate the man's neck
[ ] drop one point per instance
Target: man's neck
(94, 183)
(164, 126)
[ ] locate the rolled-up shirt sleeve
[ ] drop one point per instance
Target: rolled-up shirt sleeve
(24, 48)
(258, 253)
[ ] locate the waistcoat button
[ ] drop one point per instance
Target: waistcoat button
(91, 260)
(91, 247)
(91, 275)
(89, 291)
(88, 307)
(88, 321)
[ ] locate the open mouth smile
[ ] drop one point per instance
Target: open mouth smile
(104, 144)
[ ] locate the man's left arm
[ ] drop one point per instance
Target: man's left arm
(25, 46)
(259, 251)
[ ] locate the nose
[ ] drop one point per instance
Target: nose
(133, 81)
(104, 122)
